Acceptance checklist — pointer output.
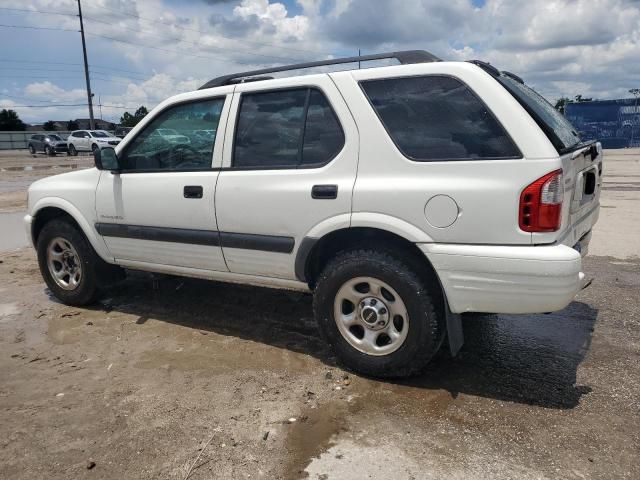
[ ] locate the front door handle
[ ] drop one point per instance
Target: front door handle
(324, 192)
(192, 191)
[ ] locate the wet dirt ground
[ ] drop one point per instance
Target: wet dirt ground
(167, 377)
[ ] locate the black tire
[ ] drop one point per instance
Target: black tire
(72, 150)
(426, 328)
(32, 150)
(49, 151)
(94, 147)
(87, 289)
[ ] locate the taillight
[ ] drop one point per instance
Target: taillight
(541, 204)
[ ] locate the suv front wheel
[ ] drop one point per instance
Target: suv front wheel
(72, 150)
(378, 313)
(68, 263)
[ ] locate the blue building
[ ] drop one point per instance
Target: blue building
(613, 122)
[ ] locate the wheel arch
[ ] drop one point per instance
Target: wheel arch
(314, 253)
(48, 209)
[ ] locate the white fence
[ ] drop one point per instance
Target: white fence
(18, 140)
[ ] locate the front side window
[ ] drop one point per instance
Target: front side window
(286, 128)
(435, 118)
(173, 140)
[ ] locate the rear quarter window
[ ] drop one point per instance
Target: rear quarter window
(438, 118)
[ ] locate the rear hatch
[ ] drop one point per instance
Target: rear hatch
(581, 166)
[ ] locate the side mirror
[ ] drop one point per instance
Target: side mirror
(106, 159)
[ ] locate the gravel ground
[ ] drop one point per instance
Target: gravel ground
(170, 375)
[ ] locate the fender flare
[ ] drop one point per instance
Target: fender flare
(344, 221)
(87, 228)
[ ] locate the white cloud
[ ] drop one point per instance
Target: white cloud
(49, 92)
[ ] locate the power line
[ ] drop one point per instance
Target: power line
(38, 11)
(38, 28)
(65, 63)
(155, 48)
(50, 105)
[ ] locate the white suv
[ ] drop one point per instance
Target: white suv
(401, 196)
(90, 141)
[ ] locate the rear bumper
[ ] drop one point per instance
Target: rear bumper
(506, 279)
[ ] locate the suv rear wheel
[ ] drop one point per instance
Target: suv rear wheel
(377, 313)
(32, 149)
(68, 263)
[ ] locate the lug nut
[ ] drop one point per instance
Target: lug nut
(383, 311)
(373, 301)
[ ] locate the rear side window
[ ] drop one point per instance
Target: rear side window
(434, 118)
(557, 128)
(286, 128)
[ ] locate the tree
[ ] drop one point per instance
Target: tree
(49, 126)
(561, 104)
(72, 125)
(9, 121)
(128, 120)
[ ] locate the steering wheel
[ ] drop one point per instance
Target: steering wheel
(181, 154)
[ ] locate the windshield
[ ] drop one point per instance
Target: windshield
(557, 128)
(167, 131)
(99, 134)
(55, 137)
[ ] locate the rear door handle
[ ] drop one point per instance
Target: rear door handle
(324, 192)
(192, 191)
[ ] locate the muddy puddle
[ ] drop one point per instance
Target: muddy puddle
(31, 168)
(12, 232)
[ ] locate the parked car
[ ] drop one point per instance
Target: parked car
(49, 144)
(90, 141)
(400, 196)
(171, 136)
(121, 132)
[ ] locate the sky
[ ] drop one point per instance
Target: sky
(143, 51)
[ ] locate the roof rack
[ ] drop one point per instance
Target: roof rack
(404, 57)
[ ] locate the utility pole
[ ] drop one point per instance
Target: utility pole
(100, 105)
(635, 92)
(92, 122)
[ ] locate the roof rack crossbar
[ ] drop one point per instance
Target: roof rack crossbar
(404, 57)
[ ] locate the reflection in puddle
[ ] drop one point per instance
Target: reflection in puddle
(29, 168)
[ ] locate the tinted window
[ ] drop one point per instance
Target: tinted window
(286, 128)
(77, 134)
(269, 129)
(557, 128)
(323, 137)
(172, 140)
(435, 118)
